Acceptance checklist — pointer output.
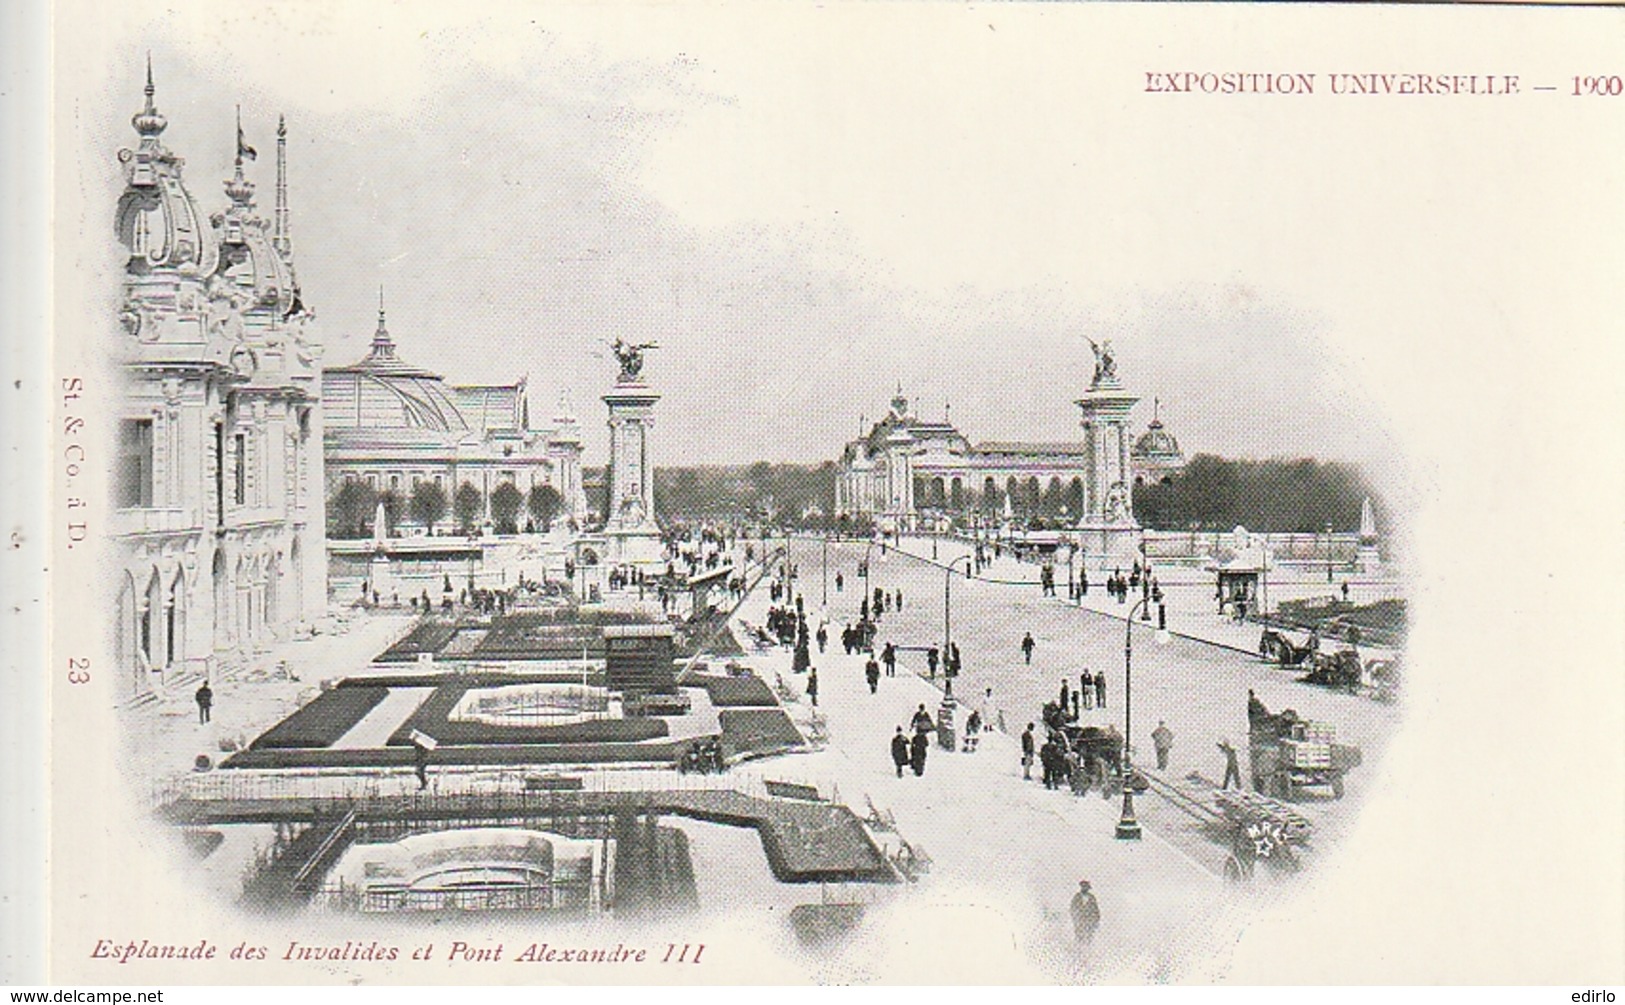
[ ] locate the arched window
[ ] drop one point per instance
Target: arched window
(221, 587)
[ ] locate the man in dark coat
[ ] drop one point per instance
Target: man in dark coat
(1086, 686)
(1027, 647)
(812, 685)
(205, 702)
(917, 750)
(899, 751)
(888, 656)
(921, 722)
(420, 764)
(1027, 745)
(1085, 912)
(1163, 739)
(1232, 770)
(1100, 689)
(871, 673)
(1046, 760)
(931, 658)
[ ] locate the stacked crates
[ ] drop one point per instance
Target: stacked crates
(1310, 745)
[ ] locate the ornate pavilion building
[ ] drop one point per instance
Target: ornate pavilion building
(395, 425)
(218, 519)
(905, 468)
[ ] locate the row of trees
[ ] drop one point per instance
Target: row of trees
(789, 492)
(353, 507)
(1277, 496)
(1213, 493)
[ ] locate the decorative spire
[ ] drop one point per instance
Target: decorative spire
(281, 239)
(382, 344)
(1156, 413)
(148, 122)
(239, 189)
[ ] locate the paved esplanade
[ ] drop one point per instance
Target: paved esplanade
(1198, 688)
(994, 839)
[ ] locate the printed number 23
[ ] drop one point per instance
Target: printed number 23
(78, 670)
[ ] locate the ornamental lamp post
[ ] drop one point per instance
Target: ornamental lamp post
(1128, 828)
(947, 601)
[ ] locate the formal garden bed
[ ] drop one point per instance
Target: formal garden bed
(320, 723)
(429, 635)
(735, 692)
(756, 731)
(433, 718)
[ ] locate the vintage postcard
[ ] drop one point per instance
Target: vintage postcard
(707, 493)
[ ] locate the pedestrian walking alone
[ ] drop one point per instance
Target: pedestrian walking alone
(899, 751)
(823, 639)
(1163, 739)
(1027, 647)
(888, 656)
(1232, 770)
(812, 685)
(205, 702)
(420, 764)
(931, 658)
(1085, 913)
(1027, 746)
(871, 673)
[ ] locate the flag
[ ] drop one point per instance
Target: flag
(243, 149)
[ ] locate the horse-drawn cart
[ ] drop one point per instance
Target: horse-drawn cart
(1262, 830)
(1290, 754)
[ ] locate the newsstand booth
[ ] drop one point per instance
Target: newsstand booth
(1241, 574)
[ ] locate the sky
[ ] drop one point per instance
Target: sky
(807, 217)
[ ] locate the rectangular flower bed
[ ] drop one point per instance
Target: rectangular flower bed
(323, 721)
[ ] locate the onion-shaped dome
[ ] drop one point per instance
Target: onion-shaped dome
(157, 219)
(248, 256)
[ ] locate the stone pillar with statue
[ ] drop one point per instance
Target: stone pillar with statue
(632, 536)
(1107, 533)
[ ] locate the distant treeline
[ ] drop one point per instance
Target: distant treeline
(1276, 496)
(1213, 493)
(784, 491)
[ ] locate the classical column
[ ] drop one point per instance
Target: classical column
(1107, 529)
(629, 523)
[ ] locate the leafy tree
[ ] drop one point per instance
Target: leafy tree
(466, 504)
(506, 500)
(428, 505)
(350, 509)
(544, 503)
(1274, 496)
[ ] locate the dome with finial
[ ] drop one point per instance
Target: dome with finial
(1156, 441)
(389, 392)
(157, 219)
(1155, 456)
(248, 256)
(148, 122)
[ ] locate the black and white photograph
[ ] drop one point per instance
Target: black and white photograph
(835, 494)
